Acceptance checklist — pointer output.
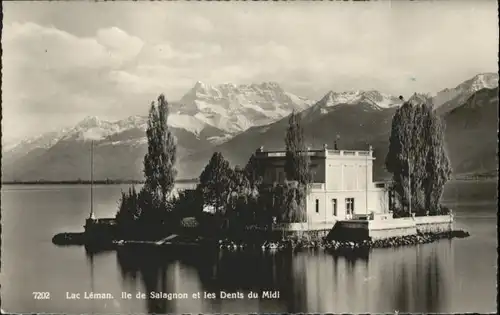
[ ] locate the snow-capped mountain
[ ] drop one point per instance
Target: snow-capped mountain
(213, 113)
(63, 155)
(233, 119)
(93, 128)
(22, 148)
(205, 116)
(450, 98)
(235, 108)
(361, 124)
(370, 101)
(372, 97)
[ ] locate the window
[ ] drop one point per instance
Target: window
(334, 206)
(317, 205)
(349, 205)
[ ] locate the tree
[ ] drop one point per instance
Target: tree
(243, 197)
(188, 203)
(254, 171)
(292, 203)
(297, 160)
(159, 162)
(128, 210)
(297, 169)
(215, 182)
(417, 158)
(240, 184)
(438, 168)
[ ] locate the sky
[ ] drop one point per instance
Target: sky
(63, 61)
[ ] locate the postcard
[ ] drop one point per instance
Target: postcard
(249, 157)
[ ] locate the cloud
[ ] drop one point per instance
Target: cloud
(119, 43)
(49, 71)
(77, 59)
(30, 45)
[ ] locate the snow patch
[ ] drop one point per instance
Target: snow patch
(376, 98)
(219, 139)
(464, 90)
(235, 108)
(186, 122)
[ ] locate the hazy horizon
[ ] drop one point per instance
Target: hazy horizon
(65, 61)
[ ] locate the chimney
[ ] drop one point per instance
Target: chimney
(325, 146)
(261, 149)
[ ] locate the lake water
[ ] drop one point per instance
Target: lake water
(449, 276)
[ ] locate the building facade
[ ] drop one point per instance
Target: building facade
(342, 186)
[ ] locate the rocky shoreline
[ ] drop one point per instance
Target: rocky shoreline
(283, 244)
(421, 238)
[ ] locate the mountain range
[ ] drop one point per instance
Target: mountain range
(237, 119)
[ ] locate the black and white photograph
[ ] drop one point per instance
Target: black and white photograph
(176, 157)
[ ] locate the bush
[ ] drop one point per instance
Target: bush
(128, 210)
(285, 202)
(188, 203)
(189, 222)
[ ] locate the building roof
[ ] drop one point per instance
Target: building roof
(319, 153)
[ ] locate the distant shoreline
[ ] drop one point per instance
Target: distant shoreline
(88, 182)
(180, 181)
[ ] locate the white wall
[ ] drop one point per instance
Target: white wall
(344, 173)
(377, 202)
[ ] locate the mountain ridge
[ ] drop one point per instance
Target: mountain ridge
(354, 115)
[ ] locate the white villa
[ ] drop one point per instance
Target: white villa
(342, 188)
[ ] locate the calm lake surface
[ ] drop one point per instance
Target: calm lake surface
(449, 276)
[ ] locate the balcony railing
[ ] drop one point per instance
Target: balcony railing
(349, 152)
(283, 153)
(318, 153)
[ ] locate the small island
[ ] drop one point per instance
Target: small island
(298, 197)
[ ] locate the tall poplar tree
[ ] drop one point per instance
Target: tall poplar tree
(438, 168)
(297, 168)
(417, 157)
(159, 162)
(297, 160)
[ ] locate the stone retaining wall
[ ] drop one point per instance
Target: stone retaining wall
(383, 229)
(434, 224)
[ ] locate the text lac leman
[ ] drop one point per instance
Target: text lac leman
(89, 296)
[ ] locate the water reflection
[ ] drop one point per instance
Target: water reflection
(408, 279)
(418, 279)
(306, 281)
(446, 277)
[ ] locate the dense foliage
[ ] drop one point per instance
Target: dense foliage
(297, 160)
(215, 182)
(254, 171)
(129, 210)
(290, 202)
(417, 157)
(298, 170)
(237, 197)
(159, 161)
(151, 207)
